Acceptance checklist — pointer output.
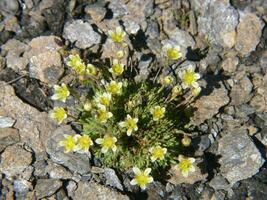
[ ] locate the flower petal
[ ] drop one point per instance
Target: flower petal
(136, 170)
(133, 182)
(147, 171)
(99, 141)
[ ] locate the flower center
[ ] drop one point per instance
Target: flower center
(141, 179)
(172, 53)
(189, 77)
(108, 142)
(185, 165)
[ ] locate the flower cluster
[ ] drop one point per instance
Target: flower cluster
(133, 125)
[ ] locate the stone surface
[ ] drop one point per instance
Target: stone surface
(96, 12)
(56, 171)
(81, 33)
(112, 179)
(15, 49)
(241, 91)
(33, 125)
(75, 162)
(46, 187)
(9, 6)
(8, 136)
(229, 65)
(14, 160)
(240, 158)
(47, 67)
(21, 187)
(208, 106)
(96, 192)
(118, 7)
(217, 22)
(6, 122)
(248, 33)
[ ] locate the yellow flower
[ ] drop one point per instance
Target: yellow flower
(76, 63)
(117, 68)
(61, 92)
(103, 99)
(87, 106)
(167, 80)
(58, 114)
(107, 142)
(186, 165)
(114, 88)
(141, 178)
(157, 112)
(196, 91)
(68, 143)
(91, 70)
(129, 123)
(189, 77)
(102, 114)
(120, 54)
(83, 142)
(176, 91)
(186, 141)
(117, 35)
(157, 153)
(172, 52)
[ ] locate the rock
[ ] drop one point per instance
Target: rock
(81, 33)
(14, 160)
(177, 178)
(96, 192)
(6, 122)
(240, 158)
(9, 6)
(75, 162)
(58, 172)
(119, 9)
(229, 64)
(43, 44)
(8, 136)
(21, 187)
(208, 106)
(143, 66)
(33, 125)
(15, 49)
(112, 179)
(47, 67)
(219, 183)
(249, 32)
(97, 12)
(46, 187)
(241, 92)
(218, 22)
(131, 25)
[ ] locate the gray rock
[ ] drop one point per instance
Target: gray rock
(15, 49)
(119, 9)
(96, 11)
(240, 158)
(229, 64)
(208, 106)
(219, 183)
(14, 160)
(47, 67)
(143, 66)
(75, 162)
(112, 179)
(241, 91)
(131, 26)
(46, 187)
(6, 122)
(58, 172)
(96, 192)
(218, 22)
(21, 187)
(81, 33)
(33, 125)
(8, 136)
(249, 32)
(9, 6)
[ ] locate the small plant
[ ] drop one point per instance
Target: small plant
(128, 124)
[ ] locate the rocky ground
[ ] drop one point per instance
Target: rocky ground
(225, 39)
